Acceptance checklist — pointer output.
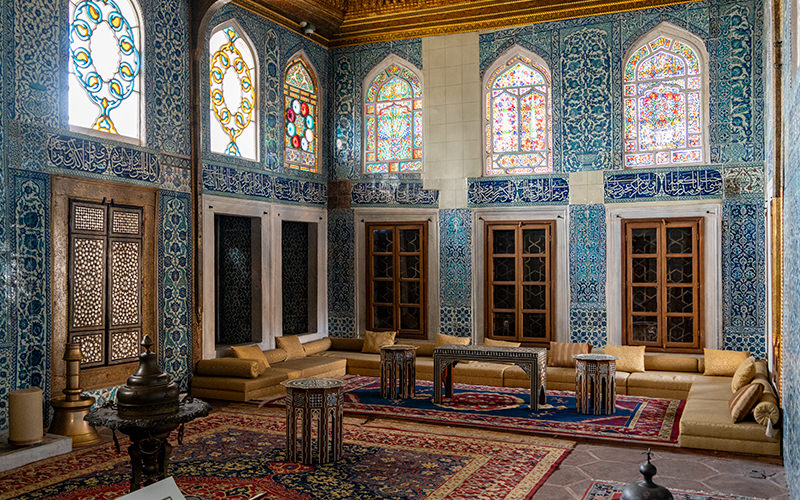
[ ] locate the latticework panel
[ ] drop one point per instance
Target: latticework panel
(92, 348)
(125, 222)
(124, 346)
(125, 282)
(87, 218)
(88, 257)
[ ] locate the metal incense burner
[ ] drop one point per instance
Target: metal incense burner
(647, 489)
(149, 391)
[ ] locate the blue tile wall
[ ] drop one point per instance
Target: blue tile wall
(35, 142)
(341, 272)
(517, 191)
(234, 273)
(294, 274)
(455, 272)
(350, 66)
(585, 58)
(393, 194)
(175, 286)
(587, 273)
(744, 276)
(791, 257)
(662, 185)
(231, 181)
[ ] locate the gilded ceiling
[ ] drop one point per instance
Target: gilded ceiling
(352, 22)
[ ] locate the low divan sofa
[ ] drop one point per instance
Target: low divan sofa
(706, 422)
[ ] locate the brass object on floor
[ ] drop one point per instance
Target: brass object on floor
(149, 391)
(73, 406)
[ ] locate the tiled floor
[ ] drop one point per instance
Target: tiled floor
(684, 470)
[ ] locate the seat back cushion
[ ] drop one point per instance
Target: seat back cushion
(292, 345)
(744, 374)
(347, 344)
(442, 339)
(743, 401)
(630, 357)
(373, 341)
(275, 355)
(424, 347)
(723, 363)
(500, 343)
(317, 346)
(560, 353)
(667, 363)
(251, 352)
(230, 367)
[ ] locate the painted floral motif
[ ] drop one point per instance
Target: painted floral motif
(519, 119)
(393, 121)
(663, 104)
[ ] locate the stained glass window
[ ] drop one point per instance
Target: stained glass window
(233, 82)
(393, 122)
(518, 126)
(105, 50)
(300, 116)
(664, 104)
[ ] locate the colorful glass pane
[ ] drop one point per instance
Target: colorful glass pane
(233, 95)
(105, 69)
(661, 115)
(519, 118)
(300, 117)
(393, 117)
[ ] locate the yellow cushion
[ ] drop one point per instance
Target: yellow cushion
(291, 344)
(631, 357)
(251, 352)
(765, 411)
(560, 353)
(317, 346)
(442, 339)
(275, 355)
(500, 343)
(744, 374)
(743, 401)
(724, 363)
(667, 363)
(373, 341)
(230, 367)
(340, 344)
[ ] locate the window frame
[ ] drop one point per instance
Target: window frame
(700, 49)
(255, 78)
(379, 68)
(663, 284)
(312, 71)
(140, 138)
(550, 279)
(396, 279)
(495, 70)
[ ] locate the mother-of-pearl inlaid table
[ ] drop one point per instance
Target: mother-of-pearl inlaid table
(310, 401)
(398, 371)
(595, 380)
(533, 360)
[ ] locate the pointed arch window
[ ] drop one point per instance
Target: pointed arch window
(665, 101)
(518, 120)
(233, 93)
(301, 116)
(393, 121)
(105, 51)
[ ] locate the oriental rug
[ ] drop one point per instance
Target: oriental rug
(640, 419)
(236, 455)
(610, 490)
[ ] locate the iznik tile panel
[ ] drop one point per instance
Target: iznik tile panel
(662, 185)
(397, 194)
(517, 191)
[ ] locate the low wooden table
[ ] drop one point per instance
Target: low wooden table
(532, 360)
(595, 380)
(398, 371)
(307, 400)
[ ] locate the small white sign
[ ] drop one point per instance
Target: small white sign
(166, 489)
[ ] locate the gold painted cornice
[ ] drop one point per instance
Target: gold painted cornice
(371, 21)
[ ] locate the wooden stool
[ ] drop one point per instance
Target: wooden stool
(595, 380)
(398, 371)
(309, 399)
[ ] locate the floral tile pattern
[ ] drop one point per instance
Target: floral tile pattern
(455, 271)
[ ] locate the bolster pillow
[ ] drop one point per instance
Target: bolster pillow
(230, 367)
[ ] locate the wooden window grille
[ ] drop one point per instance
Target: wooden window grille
(662, 273)
(105, 281)
(519, 271)
(397, 288)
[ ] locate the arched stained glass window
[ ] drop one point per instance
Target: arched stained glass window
(664, 102)
(393, 122)
(233, 87)
(301, 113)
(518, 120)
(105, 49)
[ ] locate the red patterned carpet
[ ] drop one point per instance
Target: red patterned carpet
(640, 419)
(237, 454)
